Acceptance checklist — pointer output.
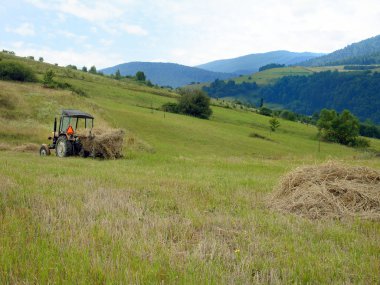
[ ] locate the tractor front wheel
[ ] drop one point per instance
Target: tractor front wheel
(63, 147)
(44, 150)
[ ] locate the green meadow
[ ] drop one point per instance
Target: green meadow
(188, 203)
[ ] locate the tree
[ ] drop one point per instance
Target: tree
(10, 70)
(92, 70)
(71, 66)
(84, 69)
(273, 124)
(195, 103)
(270, 66)
(41, 59)
(341, 128)
(192, 102)
(288, 115)
(117, 75)
(261, 104)
(48, 80)
(140, 76)
(265, 111)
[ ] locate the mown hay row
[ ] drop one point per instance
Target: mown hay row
(329, 190)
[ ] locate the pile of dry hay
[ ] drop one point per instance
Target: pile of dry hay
(27, 147)
(106, 143)
(329, 190)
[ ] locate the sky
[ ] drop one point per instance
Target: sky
(190, 32)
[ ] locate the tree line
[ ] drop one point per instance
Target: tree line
(355, 91)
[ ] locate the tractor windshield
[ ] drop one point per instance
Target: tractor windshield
(76, 123)
(65, 121)
(81, 123)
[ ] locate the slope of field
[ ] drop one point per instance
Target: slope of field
(251, 63)
(167, 74)
(188, 208)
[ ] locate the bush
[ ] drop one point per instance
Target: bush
(265, 111)
(194, 103)
(341, 128)
(48, 80)
(288, 115)
(170, 107)
(140, 76)
(274, 124)
(10, 70)
(360, 143)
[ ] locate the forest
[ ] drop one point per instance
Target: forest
(356, 91)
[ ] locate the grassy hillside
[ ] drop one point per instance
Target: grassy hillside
(187, 207)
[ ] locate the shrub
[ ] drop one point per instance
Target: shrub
(273, 124)
(360, 143)
(288, 115)
(265, 111)
(341, 128)
(170, 107)
(194, 103)
(10, 70)
(48, 81)
(140, 76)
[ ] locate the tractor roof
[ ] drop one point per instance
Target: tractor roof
(76, 113)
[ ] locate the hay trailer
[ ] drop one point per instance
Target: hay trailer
(64, 140)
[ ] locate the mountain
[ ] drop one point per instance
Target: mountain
(167, 74)
(363, 52)
(251, 63)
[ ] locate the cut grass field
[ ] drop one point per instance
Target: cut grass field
(270, 76)
(188, 207)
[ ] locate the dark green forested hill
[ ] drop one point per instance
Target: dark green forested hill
(363, 52)
(357, 91)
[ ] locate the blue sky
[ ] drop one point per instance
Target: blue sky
(106, 33)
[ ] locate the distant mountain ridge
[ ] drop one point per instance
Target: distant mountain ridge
(364, 52)
(168, 74)
(251, 63)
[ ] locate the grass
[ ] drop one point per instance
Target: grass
(192, 211)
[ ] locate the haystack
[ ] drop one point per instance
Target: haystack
(105, 143)
(330, 190)
(27, 147)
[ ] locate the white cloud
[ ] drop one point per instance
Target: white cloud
(74, 37)
(88, 57)
(106, 42)
(196, 31)
(18, 44)
(134, 30)
(216, 29)
(92, 11)
(25, 29)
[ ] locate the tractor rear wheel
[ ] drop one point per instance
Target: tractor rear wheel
(63, 147)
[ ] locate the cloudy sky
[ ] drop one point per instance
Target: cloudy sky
(106, 33)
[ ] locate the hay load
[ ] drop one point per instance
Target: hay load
(330, 190)
(105, 143)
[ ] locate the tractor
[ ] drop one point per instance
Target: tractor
(64, 139)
